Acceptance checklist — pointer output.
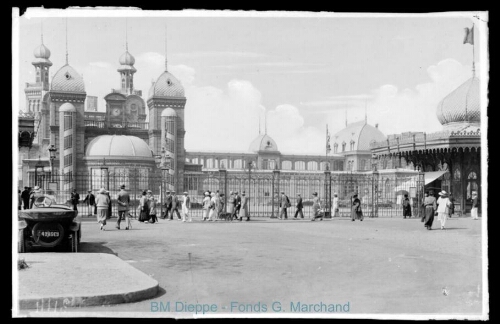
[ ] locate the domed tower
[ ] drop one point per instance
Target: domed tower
(461, 108)
(35, 92)
(127, 71)
(168, 92)
(67, 131)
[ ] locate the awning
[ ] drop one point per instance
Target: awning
(431, 176)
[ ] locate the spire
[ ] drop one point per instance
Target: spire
(265, 124)
(259, 125)
(41, 34)
(66, 41)
(126, 35)
(166, 48)
(346, 116)
(366, 114)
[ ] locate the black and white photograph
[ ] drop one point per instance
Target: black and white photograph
(204, 163)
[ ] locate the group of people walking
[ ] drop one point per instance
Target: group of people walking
(103, 207)
(443, 208)
(214, 206)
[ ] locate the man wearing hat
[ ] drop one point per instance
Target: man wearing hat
(237, 205)
(299, 207)
(186, 205)
(244, 207)
(356, 211)
(37, 192)
(206, 205)
(90, 200)
(123, 202)
(25, 196)
(168, 206)
(175, 206)
(284, 204)
(442, 210)
(473, 211)
(230, 204)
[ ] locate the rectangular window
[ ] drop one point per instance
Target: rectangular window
(68, 141)
(68, 160)
(68, 121)
(68, 177)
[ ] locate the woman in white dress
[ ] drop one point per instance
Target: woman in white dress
(442, 210)
(206, 205)
(212, 215)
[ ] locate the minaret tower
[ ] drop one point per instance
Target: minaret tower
(127, 70)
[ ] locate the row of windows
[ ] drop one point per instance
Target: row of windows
(267, 164)
(336, 146)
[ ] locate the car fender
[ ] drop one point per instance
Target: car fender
(75, 226)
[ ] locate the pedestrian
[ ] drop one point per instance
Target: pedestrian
(90, 200)
(356, 211)
(230, 204)
(144, 208)
(474, 209)
(244, 207)
(451, 209)
(25, 195)
(316, 207)
(299, 207)
(75, 199)
(34, 195)
(212, 205)
(237, 205)
(335, 205)
(168, 206)
(406, 206)
(110, 206)
(123, 202)
(284, 204)
(221, 204)
(206, 206)
(430, 207)
(175, 206)
(152, 207)
(19, 200)
(443, 203)
(186, 205)
(102, 202)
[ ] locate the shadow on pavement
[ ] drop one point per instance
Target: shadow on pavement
(95, 247)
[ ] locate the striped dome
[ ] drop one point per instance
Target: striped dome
(67, 80)
(461, 105)
(167, 85)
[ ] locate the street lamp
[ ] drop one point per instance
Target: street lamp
(328, 192)
(276, 175)
(38, 174)
(250, 165)
(223, 173)
(375, 192)
(52, 155)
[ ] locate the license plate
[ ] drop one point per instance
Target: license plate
(48, 233)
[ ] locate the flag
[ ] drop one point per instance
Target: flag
(328, 148)
(469, 35)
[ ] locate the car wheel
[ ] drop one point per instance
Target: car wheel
(21, 245)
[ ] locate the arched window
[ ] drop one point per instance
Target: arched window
(300, 165)
(472, 184)
(343, 147)
(223, 164)
(272, 164)
(384, 163)
(195, 161)
(312, 165)
(456, 174)
(363, 164)
(324, 165)
(237, 164)
(210, 163)
(335, 148)
(286, 165)
(341, 165)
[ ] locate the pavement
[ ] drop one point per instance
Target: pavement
(378, 266)
(59, 280)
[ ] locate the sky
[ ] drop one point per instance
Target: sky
(287, 74)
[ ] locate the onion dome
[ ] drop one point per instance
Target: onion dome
(67, 80)
(461, 105)
(42, 55)
(127, 59)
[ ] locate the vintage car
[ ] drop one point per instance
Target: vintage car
(48, 225)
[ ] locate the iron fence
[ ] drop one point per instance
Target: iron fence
(380, 197)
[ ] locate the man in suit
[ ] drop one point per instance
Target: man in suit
(299, 207)
(237, 205)
(123, 201)
(175, 206)
(90, 200)
(283, 206)
(25, 196)
(168, 206)
(75, 199)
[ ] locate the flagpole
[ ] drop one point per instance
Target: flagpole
(473, 65)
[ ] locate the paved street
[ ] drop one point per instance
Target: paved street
(378, 266)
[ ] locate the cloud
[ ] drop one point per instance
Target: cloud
(223, 54)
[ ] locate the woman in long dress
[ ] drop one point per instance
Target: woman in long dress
(143, 208)
(230, 203)
(244, 207)
(206, 206)
(152, 208)
(443, 202)
(356, 211)
(335, 206)
(212, 214)
(102, 202)
(316, 207)
(429, 209)
(406, 207)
